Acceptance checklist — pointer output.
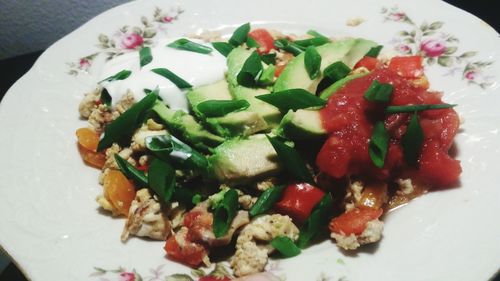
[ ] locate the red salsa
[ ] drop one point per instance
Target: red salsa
(349, 119)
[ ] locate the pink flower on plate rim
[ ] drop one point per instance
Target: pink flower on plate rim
(127, 276)
(131, 40)
(470, 75)
(398, 16)
(433, 48)
(402, 48)
(167, 19)
(84, 63)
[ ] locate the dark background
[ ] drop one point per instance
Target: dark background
(13, 68)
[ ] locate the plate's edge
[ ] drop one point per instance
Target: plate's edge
(12, 260)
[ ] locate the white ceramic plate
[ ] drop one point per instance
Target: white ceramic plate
(52, 227)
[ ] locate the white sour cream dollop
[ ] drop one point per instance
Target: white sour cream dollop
(197, 69)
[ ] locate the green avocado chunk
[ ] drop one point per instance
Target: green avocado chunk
(302, 124)
(187, 128)
(348, 51)
(326, 93)
(241, 123)
(244, 160)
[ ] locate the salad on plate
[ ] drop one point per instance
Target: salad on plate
(264, 143)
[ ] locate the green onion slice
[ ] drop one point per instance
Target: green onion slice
(161, 179)
(140, 179)
(317, 34)
(312, 61)
(267, 77)
(316, 41)
(290, 159)
(374, 51)
(122, 128)
(251, 71)
(240, 35)
(379, 144)
(292, 99)
(217, 108)
(268, 58)
(412, 140)
(145, 56)
(285, 246)
(170, 148)
(124, 74)
(317, 221)
(416, 107)
(223, 48)
(379, 92)
(251, 43)
(225, 212)
(288, 46)
(266, 200)
(184, 195)
(105, 97)
(187, 45)
(336, 71)
(179, 82)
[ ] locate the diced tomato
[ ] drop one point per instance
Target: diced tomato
(279, 68)
(298, 200)
(409, 67)
(374, 195)
(119, 191)
(437, 167)
(369, 63)
(180, 249)
(144, 167)
(264, 39)
(354, 221)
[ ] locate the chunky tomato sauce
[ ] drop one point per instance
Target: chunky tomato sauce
(349, 119)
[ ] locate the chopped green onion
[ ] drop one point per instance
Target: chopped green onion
(412, 140)
(131, 172)
(285, 246)
(288, 46)
(379, 143)
(240, 35)
(124, 74)
(196, 199)
(290, 159)
(336, 71)
(267, 77)
(123, 127)
(416, 107)
(251, 71)
(179, 82)
(312, 61)
(161, 179)
(145, 56)
(217, 108)
(105, 97)
(184, 195)
(374, 51)
(268, 58)
(186, 45)
(379, 92)
(156, 91)
(316, 41)
(225, 212)
(170, 148)
(316, 34)
(251, 43)
(317, 221)
(223, 47)
(292, 99)
(266, 200)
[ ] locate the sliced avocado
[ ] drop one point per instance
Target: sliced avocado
(235, 61)
(302, 124)
(244, 160)
(187, 127)
(216, 91)
(241, 123)
(326, 93)
(269, 113)
(295, 75)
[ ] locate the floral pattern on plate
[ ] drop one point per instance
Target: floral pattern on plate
(437, 47)
(129, 38)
